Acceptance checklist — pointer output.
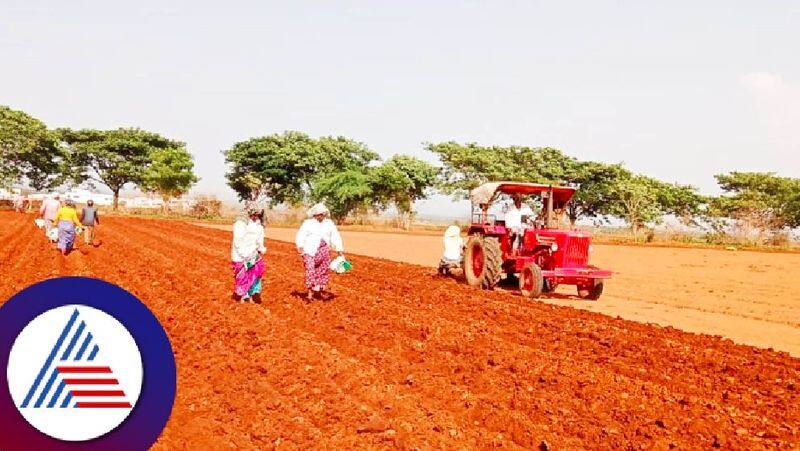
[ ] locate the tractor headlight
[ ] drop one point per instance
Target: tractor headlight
(554, 247)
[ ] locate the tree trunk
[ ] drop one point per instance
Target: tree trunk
(410, 218)
(572, 214)
(165, 204)
(116, 199)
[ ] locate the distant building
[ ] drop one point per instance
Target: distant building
(155, 201)
(142, 201)
(81, 196)
(182, 203)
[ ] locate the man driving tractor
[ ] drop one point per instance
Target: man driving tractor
(516, 219)
(536, 250)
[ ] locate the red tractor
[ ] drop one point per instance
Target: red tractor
(540, 253)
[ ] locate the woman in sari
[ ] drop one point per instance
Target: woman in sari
(314, 240)
(247, 250)
(67, 222)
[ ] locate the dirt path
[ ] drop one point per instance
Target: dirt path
(415, 361)
(750, 297)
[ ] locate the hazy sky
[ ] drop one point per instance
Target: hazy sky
(676, 90)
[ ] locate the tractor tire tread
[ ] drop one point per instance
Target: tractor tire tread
(469, 275)
(538, 285)
(493, 268)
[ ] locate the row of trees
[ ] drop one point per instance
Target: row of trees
(294, 168)
(763, 200)
(606, 189)
(46, 158)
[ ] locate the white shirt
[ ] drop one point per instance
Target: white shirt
(248, 240)
(452, 243)
(50, 209)
(514, 216)
(313, 232)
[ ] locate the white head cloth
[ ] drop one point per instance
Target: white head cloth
(318, 209)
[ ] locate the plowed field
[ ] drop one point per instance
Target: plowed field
(404, 358)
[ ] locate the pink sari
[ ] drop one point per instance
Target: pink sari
(247, 280)
(317, 267)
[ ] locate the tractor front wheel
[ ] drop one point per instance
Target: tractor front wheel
(531, 281)
(483, 262)
(591, 292)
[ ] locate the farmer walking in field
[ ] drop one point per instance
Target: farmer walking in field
(49, 211)
(67, 222)
(317, 235)
(90, 218)
(247, 252)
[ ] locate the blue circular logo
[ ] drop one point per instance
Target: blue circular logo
(87, 366)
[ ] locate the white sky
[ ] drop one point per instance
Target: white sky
(676, 90)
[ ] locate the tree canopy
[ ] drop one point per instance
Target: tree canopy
(284, 166)
(292, 167)
(29, 151)
(403, 180)
(636, 201)
(344, 192)
(170, 173)
(605, 189)
(466, 166)
(597, 188)
(114, 157)
(682, 201)
(400, 182)
(770, 201)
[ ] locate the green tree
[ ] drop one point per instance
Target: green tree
(170, 173)
(401, 181)
(597, 190)
(682, 201)
(270, 165)
(114, 157)
(29, 151)
(344, 192)
(466, 166)
(635, 199)
(284, 167)
(764, 199)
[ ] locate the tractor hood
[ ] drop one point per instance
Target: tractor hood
(484, 194)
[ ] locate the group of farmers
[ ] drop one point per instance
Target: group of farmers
(62, 222)
(315, 240)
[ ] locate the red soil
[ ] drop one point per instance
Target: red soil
(404, 358)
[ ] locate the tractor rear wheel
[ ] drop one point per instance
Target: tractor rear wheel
(483, 262)
(531, 281)
(591, 292)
